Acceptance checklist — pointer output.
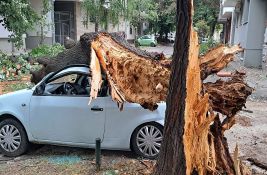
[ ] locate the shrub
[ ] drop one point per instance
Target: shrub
(12, 67)
(204, 47)
(46, 50)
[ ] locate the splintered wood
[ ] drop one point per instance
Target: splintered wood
(216, 59)
(96, 75)
(139, 78)
(228, 97)
(197, 122)
(132, 77)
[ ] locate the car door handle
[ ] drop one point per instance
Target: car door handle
(95, 108)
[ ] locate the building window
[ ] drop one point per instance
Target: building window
(131, 30)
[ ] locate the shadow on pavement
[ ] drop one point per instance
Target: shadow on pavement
(65, 154)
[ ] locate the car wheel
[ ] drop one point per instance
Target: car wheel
(13, 138)
(146, 140)
(152, 44)
(137, 44)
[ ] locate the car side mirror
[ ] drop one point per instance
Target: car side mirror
(40, 89)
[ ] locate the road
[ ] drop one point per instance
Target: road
(250, 134)
(167, 50)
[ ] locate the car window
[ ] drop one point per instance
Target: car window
(77, 85)
(71, 78)
(146, 37)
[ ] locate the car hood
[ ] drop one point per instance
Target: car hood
(16, 98)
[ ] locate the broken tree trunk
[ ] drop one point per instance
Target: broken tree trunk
(185, 148)
(74, 55)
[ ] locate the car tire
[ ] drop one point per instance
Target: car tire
(13, 139)
(137, 44)
(150, 148)
(152, 44)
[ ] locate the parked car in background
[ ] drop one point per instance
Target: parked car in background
(204, 40)
(147, 40)
(56, 111)
(171, 39)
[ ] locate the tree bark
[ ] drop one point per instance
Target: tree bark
(74, 55)
(193, 135)
(96, 25)
(172, 158)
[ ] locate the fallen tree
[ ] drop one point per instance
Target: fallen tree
(135, 75)
(194, 142)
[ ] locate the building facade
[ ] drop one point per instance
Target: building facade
(245, 23)
(65, 19)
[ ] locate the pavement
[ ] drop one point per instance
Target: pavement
(250, 134)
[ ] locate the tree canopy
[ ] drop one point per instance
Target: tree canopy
(140, 11)
(104, 12)
(17, 16)
(206, 15)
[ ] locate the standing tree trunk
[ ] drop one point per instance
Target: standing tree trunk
(172, 156)
(193, 135)
(42, 35)
(96, 26)
(212, 29)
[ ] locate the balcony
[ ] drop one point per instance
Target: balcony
(230, 3)
(227, 12)
(227, 7)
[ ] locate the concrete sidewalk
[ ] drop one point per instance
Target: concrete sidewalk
(255, 78)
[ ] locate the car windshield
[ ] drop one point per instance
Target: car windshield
(146, 37)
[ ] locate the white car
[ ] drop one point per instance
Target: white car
(56, 111)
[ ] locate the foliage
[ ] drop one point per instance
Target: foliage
(12, 68)
(204, 47)
(140, 11)
(202, 28)
(17, 17)
(47, 50)
(159, 14)
(43, 18)
(17, 86)
(208, 11)
(167, 20)
(104, 12)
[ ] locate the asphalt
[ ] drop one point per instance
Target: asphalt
(166, 49)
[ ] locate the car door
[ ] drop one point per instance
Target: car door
(121, 124)
(67, 118)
